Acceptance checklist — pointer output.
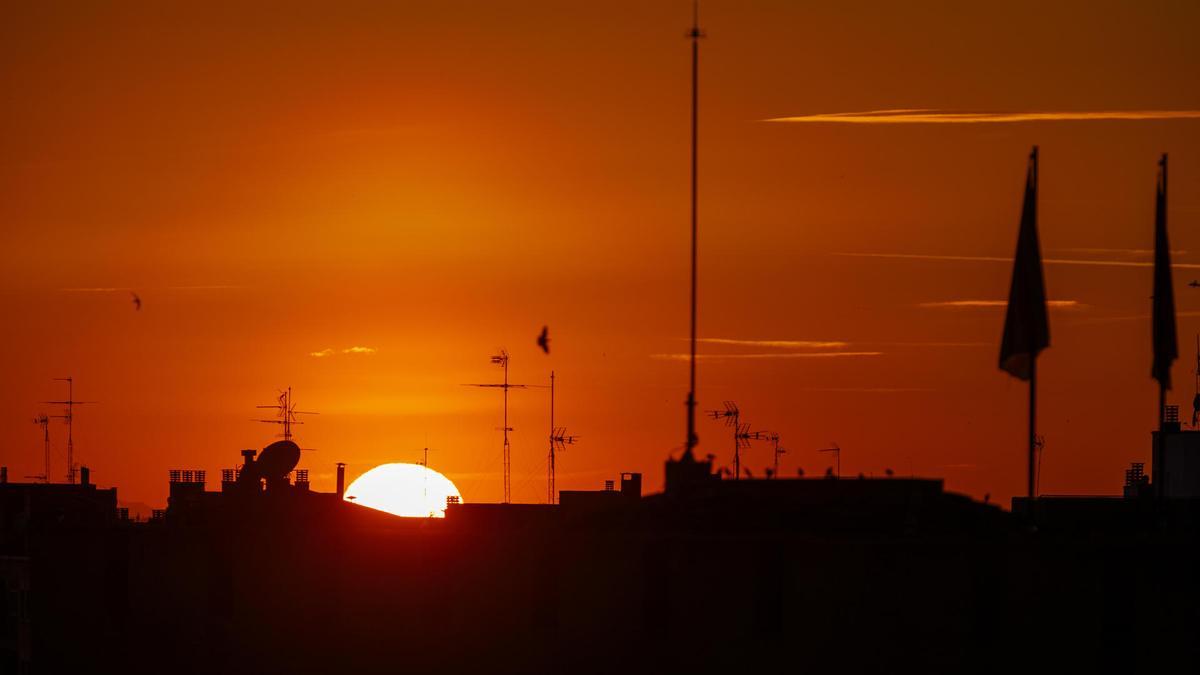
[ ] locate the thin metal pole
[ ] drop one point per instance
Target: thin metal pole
(1031, 481)
(737, 447)
(70, 431)
(550, 496)
(1032, 422)
(695, 35)
(287, 414)
(507, 489)
(1162, 405)
(45, 421)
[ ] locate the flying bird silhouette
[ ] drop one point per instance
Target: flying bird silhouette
(137, 302)
(544, 339)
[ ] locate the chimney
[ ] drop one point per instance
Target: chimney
(3, 474)
(341, 479)
(631, 485)
(248, 456)
(85, 475)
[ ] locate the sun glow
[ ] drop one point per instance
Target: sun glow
(409, 490)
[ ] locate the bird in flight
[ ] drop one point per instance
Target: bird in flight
(544, 339)
(137, 302)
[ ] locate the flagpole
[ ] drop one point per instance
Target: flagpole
(1162, 386)
(1030, 478)
(1162, 405)
(1163, 327)
(1026, 324)
(1032, 422)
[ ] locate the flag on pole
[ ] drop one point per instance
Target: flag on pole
(1026, 326)
(1166, 348)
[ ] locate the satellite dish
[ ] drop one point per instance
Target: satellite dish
(277, 460)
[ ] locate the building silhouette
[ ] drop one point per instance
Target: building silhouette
(264, 575)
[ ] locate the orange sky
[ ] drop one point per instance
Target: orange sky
(434, 181)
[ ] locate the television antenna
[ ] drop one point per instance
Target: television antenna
(732, 416)
(69, 417)
(286, 415)
(742, 436)
(778, 450)
(558, 442)
(44, 421)
(836, 450)
(745, 437)
(502, 360)
(425, 478)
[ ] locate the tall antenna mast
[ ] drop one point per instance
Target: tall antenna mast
(69, 417)
(694, 35)
(501, 360)
(286, 416)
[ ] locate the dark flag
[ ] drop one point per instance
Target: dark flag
(1026, 326)
(1166, 348)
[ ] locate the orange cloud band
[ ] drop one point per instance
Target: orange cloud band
(959, 304)
(775, 355)
(983, 258)
(917, 116)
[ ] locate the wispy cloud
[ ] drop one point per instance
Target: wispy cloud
(1131, 317)
(770, 355)
(348, 350)
(212, 287)
(868, 390)
(969, 304)
(983, 258)
(110, 289)
(1114, 251)
(933, 116)
(779, 344)
(934, 344)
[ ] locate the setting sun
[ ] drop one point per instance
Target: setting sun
(409, 490)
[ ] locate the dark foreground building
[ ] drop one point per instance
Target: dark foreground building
(803, 575)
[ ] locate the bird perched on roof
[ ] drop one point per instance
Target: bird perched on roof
(137, 302)
(544, 339)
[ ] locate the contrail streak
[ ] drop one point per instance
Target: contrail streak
(961, 304)
(918, 116)
(774, 355)
(780, 344)
(985, 258)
